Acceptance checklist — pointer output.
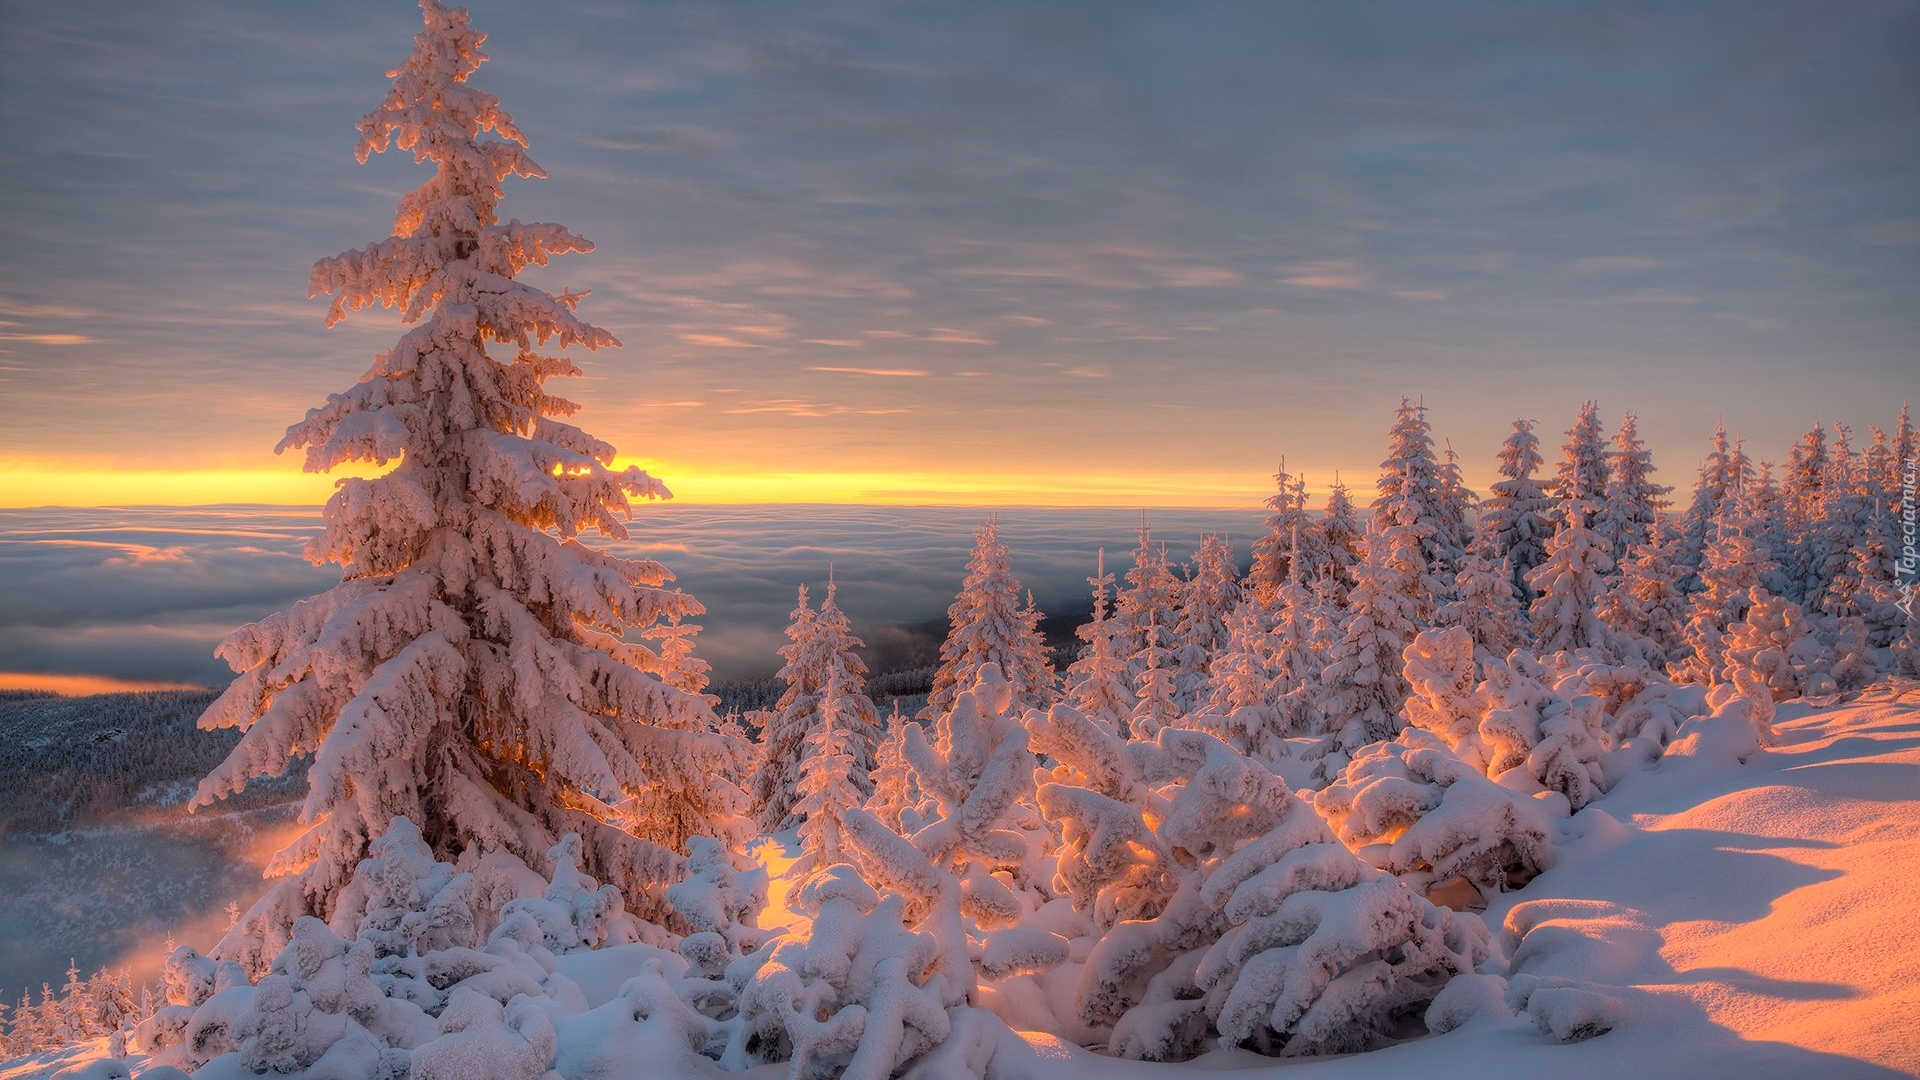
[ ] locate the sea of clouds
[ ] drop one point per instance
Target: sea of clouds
(145, 593)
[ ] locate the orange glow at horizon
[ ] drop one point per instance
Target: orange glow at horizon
(83, 685)
(30, 482)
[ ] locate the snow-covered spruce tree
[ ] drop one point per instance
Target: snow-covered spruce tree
(1802, 489)
(978, 773)
(1097, 682)
(1238, 707)
(1362, 689)
(1485, 605)
(1536, 739)
(1776, 646)
(1411, 807)
(896, 797)
(1290, 534)
(1633, 502)
(1846, 524)
(1342, 534)
(1304, 632)
(1146, 610)
(1207, 596)
(1157, 703)
(1278, 937)
(821, 660)
(988, 626)
(1583, 473)
(1642, 605)
(1458, 503)
(1515, 519)
(1768, 505)
(470, 671)
(784, 727)
(1873, 591)
(832, 781)
(1725, 470)
(1567, 586)
(1413, 488)
(1736, 561)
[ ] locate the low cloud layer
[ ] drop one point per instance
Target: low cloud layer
(146, 594)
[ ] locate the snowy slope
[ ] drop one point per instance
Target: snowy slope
(1733, 920)
(1752, 921)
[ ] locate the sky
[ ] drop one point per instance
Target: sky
(869, 251)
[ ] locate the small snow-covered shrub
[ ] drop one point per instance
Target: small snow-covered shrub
(1537, 739)
(1414, 808)
(983, 828)
(1278, 939)
(857, 998)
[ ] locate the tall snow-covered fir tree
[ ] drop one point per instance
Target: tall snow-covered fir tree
(832, 778)
(1290, 534)
(1413, 478)
(1341, 534)
(821, 665)
(1362, 688)
(1643, 602)
(1207, 597)
(989, 626)
(1097, 682)
(480, 669)
(1516, 518)
(1725, 470)
(1583, 471)
(1633, 501)
(1737, 561)
(1146, 610)
(1568, 585)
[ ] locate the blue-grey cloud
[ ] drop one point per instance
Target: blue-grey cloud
(146, 593)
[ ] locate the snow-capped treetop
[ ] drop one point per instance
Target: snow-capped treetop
(1583, 462)
(1412, 477)
(1097, 682)
(1806, 474)
(1290, 534)
(989, 626)
(1341, 534)
(1725, 470)
(1146, 610)
(1516, 518)
(821, 662)
(1208, 595)
(1633, 501)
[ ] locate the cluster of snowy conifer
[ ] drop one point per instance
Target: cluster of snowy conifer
(1257, 810)
(84, 1008)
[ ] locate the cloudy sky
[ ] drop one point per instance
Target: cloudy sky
(1107, 252)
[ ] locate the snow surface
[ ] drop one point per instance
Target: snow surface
(1726, 919)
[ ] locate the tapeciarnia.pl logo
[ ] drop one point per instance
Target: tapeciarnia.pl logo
(1906, 570)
